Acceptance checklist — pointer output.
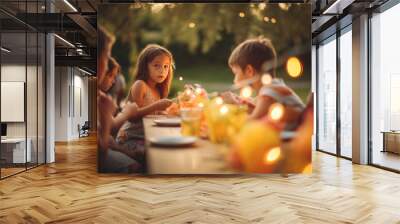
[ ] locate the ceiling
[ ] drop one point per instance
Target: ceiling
(75, 21)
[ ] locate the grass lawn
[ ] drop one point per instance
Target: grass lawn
(216, 78)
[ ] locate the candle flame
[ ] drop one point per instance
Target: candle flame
(199, 90)
(192, 25)
(188, 92)
(266, 79)
(272, 155)
(224, 109)
(241, 14)
(246, 92)
(273, 20)
(276, 111)
(180, 78)
(219, 101)
(266, 19)
(294, 67)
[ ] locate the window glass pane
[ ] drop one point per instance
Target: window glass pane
(385, 84)
(346, 94)
(13, 85)
(327, 96)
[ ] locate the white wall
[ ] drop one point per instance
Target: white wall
(33, 127)
(71, 94)
(12, 73)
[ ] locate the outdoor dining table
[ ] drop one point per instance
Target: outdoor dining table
(204, 157)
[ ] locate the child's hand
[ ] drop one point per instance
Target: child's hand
(229, 98)
(173, 110)
(130, 110)
(163, 104)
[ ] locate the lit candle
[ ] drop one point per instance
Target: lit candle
(272, 155)
(276, 111)
(198, 91)
(224, 110)
(246, 92)
(219, 101)
(241, 14)
(180, 78)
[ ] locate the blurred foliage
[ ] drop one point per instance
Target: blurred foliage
(205, 33)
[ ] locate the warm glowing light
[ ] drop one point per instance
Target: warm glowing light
(199, 91)
(192, 25)
(246, 92)
(276, 111)
(272, 155)
(200, 105)
(273, 20)
(308, 168)
(219, 101)
(294, 67)
(224, 109)
(262, 6)
(180, 78)
(188, 92)
(284, 6)
(266, 79)
(157, 7)
(266, 19)
(241, 14)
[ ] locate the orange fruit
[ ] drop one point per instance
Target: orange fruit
(253, 144)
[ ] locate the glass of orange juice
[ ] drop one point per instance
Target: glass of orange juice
(191, 121)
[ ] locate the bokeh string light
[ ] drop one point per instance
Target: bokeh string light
(276, 111)
(294, 67)
(224, 110)
(272, 155)
(246, 92)
(266, 79)
(192, 25)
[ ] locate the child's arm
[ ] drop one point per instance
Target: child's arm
(105, 118)
(262, 107)
(137, 94)
(129, 112)
(156, 106)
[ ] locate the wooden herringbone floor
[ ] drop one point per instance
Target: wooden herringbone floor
(71, 191)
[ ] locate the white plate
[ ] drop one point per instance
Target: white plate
(170, 141)
(168, 122)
